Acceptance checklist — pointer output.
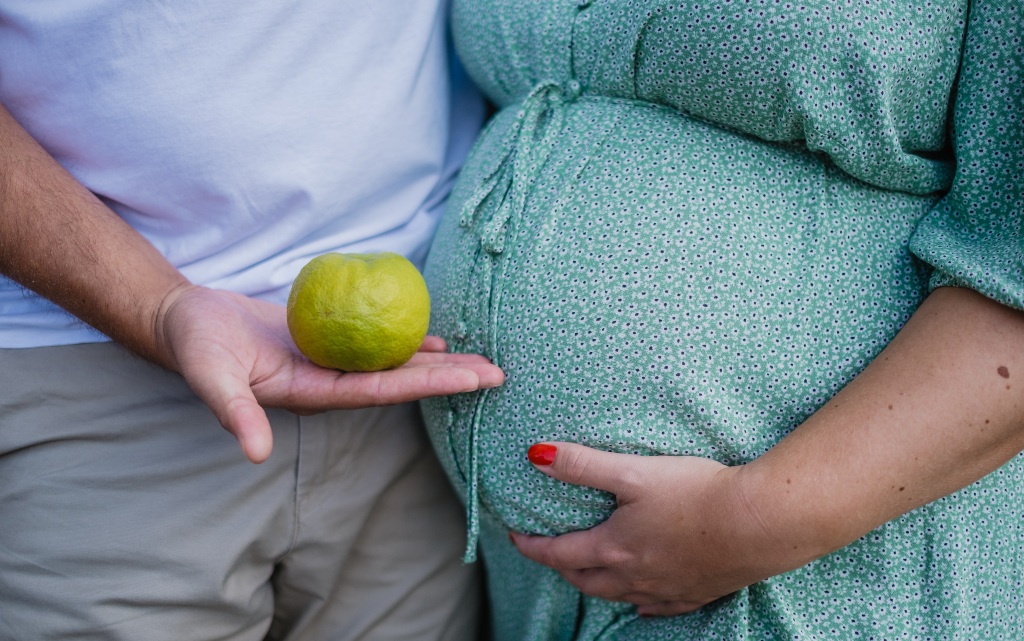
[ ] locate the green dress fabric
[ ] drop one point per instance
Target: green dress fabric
(689, 225)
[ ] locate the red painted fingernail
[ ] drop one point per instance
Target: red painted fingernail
(541, 454)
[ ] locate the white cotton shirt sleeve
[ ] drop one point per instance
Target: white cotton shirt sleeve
(241, 139)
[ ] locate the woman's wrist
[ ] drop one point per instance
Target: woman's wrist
(768, 528)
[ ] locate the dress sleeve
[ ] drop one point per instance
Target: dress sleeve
(974, 237)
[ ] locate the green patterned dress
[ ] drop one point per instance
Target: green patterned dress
(686, 228)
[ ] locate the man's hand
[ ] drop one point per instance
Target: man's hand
(680, 538)
(237, 355)
(59, 240)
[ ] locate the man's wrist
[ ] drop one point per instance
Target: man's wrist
(162, 350)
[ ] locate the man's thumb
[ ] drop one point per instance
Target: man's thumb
(234, 405)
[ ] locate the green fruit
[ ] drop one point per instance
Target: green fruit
(359, 312)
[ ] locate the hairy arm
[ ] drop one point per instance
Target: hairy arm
(61, 241)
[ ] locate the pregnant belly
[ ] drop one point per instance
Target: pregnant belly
(667, 287)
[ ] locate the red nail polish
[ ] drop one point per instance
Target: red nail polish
(541, 453)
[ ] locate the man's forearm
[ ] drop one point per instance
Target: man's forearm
(61, 241)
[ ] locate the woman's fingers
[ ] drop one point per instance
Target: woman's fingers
(573, 551)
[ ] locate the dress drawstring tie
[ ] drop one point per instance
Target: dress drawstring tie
(524, 151)
(521, 159)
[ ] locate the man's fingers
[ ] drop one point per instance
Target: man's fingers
(433, 344)
(619, 474)
(427, 374)
(488, 374)
(364, 389)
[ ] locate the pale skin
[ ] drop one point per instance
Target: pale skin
(939, 408)
(61, 241)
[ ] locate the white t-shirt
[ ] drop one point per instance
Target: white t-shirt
(240, 138)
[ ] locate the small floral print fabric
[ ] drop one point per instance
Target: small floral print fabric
(686, 228)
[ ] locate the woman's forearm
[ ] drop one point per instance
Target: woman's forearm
(61, 241)
(941, 407)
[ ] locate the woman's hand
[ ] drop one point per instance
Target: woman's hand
(681, 537)
(237, 355)
(939, 408)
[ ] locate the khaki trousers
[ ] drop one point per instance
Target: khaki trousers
(128, 513)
